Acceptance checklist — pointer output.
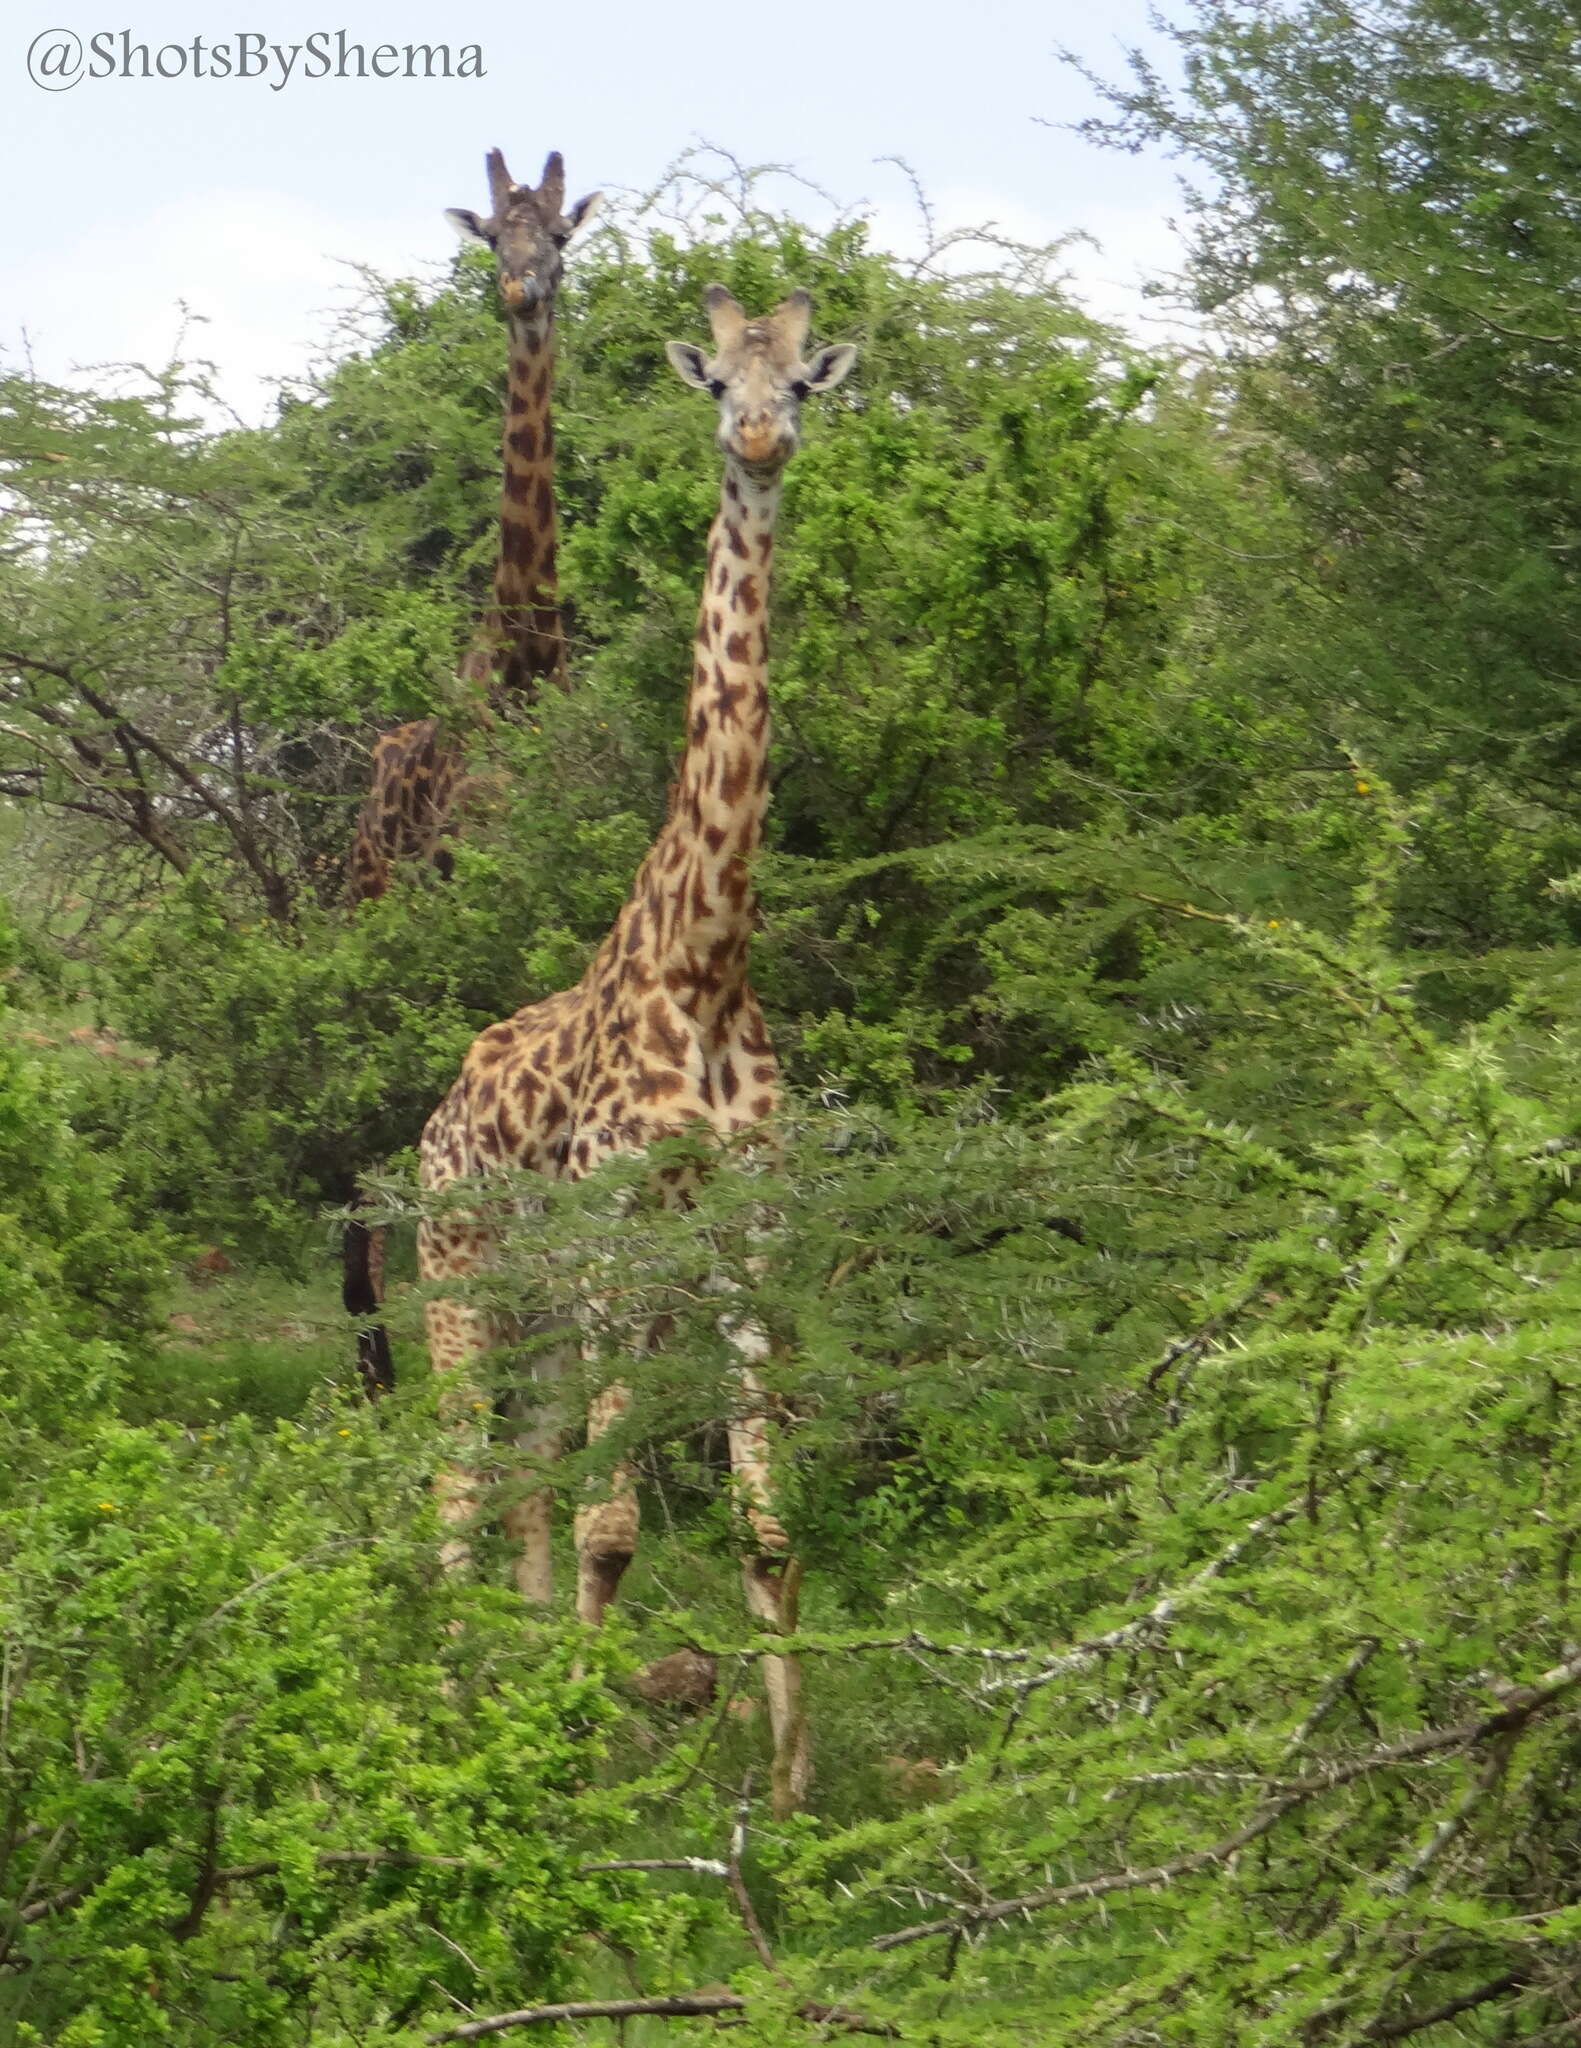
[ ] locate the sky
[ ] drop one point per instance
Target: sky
(225, 215)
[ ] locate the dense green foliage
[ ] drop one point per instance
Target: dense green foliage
(1387, 230)
(1169, 1266)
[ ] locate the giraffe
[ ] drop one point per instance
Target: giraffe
(416, 768)
(418, 773)
(663, 1030)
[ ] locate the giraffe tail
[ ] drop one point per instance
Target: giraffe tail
(362, 1291)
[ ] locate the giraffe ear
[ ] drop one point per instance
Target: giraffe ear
(584, 213)
(830, 366)
(689, 363)
(473, 232)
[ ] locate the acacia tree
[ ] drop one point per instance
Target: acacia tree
(142, 553)
(1386, 236)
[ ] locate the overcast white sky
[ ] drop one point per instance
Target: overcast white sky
(127, 197)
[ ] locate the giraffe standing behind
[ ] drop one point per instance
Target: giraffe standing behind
(418, 769)
(663, 1030)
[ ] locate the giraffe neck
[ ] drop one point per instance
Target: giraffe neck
(701, 860)
(523, 632)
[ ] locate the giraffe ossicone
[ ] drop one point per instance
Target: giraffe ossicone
(663, 1031)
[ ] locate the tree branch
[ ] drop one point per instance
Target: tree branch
(680, 2005)
(1509, 1720)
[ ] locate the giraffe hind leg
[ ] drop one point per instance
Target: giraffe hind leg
(606, 1530)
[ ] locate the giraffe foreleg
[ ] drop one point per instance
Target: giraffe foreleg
(529, 1519)
(770, 1576)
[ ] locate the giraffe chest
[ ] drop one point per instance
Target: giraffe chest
(652, 1070)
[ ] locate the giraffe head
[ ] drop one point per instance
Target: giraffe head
(527, 230)
(760, 377)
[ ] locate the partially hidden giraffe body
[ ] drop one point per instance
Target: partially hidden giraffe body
(419, 773)
(663, 1030)
(417, 768)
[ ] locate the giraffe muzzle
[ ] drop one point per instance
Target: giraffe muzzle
(768, 446)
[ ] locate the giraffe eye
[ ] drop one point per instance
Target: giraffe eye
(716, 387)
(799, 389)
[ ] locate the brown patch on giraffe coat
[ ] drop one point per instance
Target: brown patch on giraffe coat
(653, 1084)
(667, 1036)
(737, 545)
(736, 648)
(523, 442)
(747, 594)
(734, 778)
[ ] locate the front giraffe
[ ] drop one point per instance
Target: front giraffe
(663, 1030)
(417, 770)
